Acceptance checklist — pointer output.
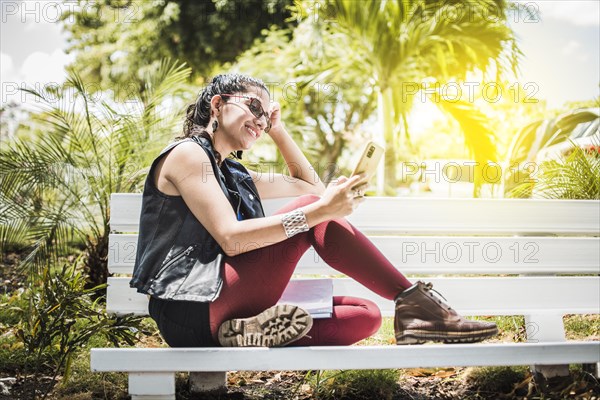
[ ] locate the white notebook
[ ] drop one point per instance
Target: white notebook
(314, 295)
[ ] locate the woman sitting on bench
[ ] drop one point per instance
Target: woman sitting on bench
(214, 266)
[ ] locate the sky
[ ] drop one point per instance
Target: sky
(561, 47)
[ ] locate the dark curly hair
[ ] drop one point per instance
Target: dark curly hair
(198, 113)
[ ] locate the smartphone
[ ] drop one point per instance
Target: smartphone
(367, 164)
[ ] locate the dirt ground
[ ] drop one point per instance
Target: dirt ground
(415, 384)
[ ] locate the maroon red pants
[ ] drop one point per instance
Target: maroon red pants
(254, 281)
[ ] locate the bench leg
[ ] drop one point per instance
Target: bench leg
(546, 328)
(152, 385)
(208, 381)
(593, 369)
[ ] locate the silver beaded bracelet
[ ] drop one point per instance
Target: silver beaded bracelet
(294, 222)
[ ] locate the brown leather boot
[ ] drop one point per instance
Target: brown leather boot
(422, 316)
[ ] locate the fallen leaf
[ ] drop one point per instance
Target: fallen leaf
(446, 373)
(421, 371)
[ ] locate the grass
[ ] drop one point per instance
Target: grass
(355, 384)
(494, 379)
(582, 327)
(85, 385)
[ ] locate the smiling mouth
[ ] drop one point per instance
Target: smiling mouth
(255, 134)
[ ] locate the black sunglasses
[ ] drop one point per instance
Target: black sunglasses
(255, 108)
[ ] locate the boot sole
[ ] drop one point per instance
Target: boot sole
(277, 326)
(415, 336)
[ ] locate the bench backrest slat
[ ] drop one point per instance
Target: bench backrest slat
(440, 255)
(434, 215)
(469, 296)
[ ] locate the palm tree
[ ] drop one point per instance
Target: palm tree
(55, 186)
(321, 115)
(399, 44)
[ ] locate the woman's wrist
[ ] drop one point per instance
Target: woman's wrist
(294, 222)
(278, 131)
(317, 212)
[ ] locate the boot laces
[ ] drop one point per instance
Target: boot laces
(429, 288)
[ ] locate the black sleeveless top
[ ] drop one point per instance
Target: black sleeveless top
(177, 259)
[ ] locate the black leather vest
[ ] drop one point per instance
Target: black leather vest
(177, 259)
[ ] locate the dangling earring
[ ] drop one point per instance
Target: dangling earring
(215, 125)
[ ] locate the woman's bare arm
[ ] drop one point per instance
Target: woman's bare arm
(187, 171)
(302, 178)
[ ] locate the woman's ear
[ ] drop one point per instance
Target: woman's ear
(215, 105)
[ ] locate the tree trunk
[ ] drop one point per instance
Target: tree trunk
(386, 175)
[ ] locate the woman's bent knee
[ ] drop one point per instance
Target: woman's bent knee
(365, 320)
(373, 316)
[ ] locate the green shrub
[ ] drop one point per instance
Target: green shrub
(575, 175)
(58, 316)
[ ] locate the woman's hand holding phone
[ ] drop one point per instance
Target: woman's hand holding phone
(340, 199)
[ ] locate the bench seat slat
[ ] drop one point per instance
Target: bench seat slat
(433, 215)
(440, 255)
(342, 357)
(469, 296)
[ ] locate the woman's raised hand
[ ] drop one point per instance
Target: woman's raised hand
(340, 199)
(275, 116)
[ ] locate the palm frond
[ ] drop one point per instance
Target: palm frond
(479, 138)
(574, 176)
(56, 188)
(168, 79)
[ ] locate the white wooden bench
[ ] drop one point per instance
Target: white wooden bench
(537, 258)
